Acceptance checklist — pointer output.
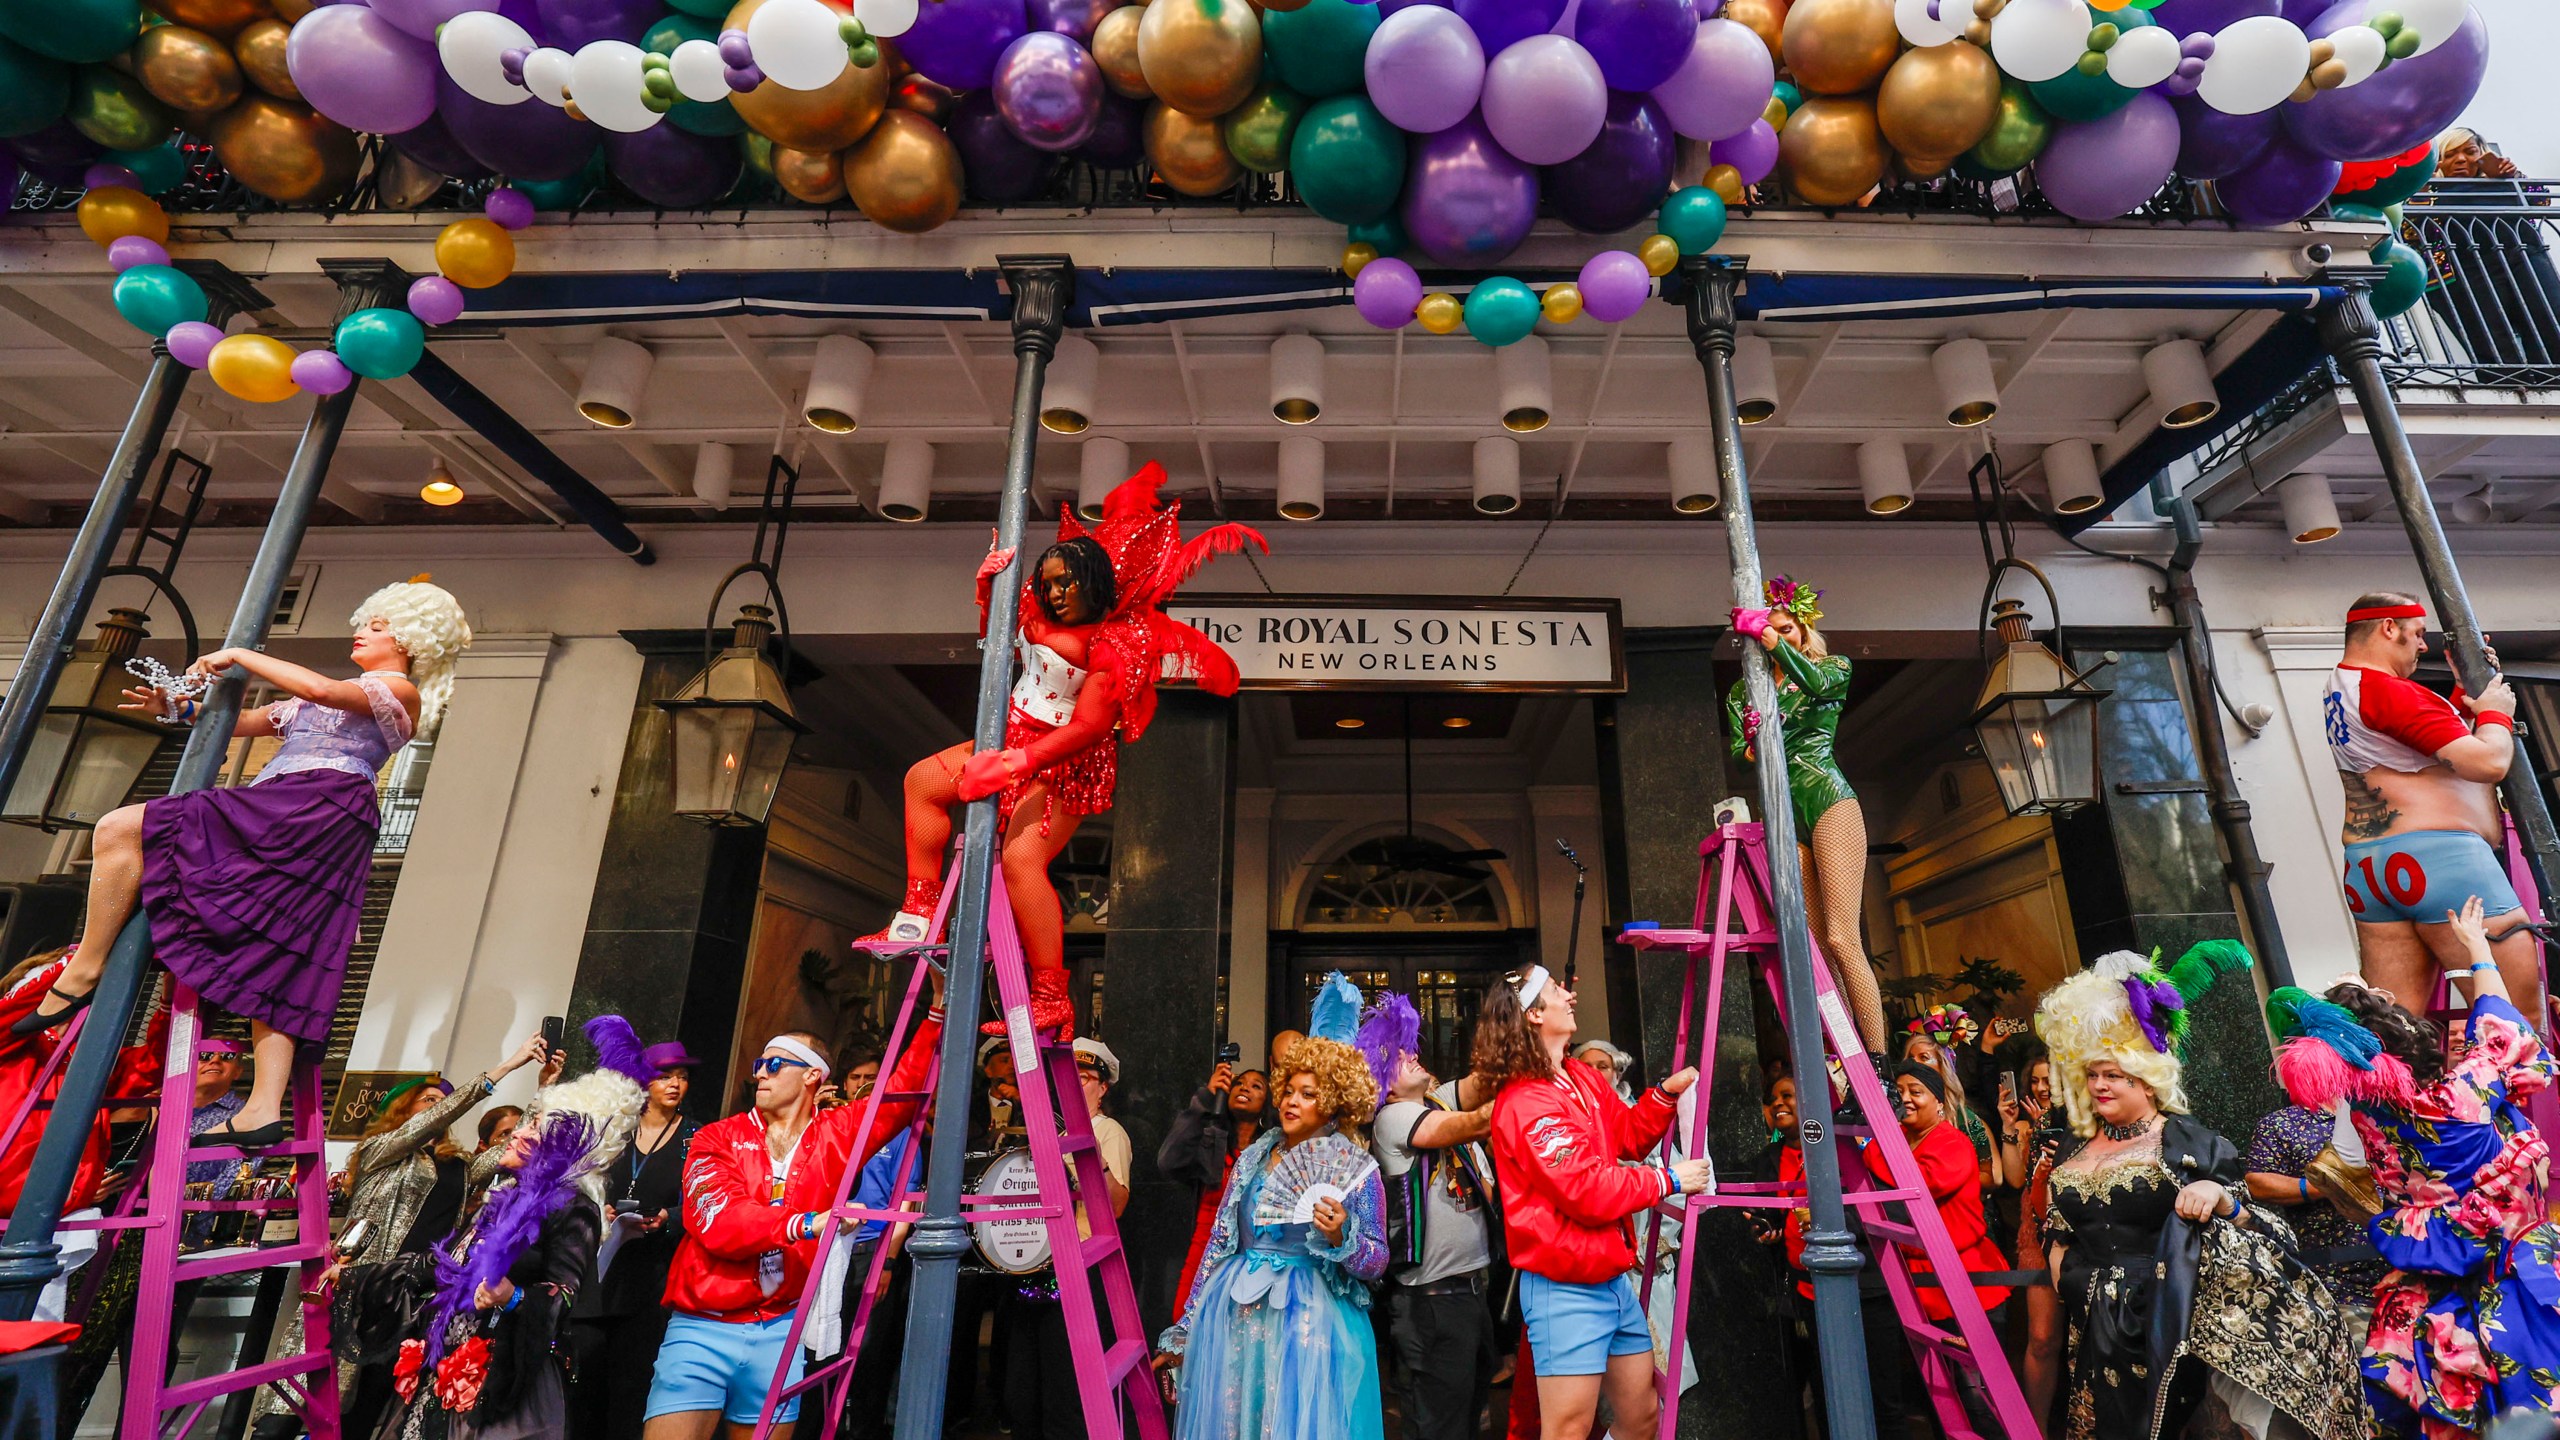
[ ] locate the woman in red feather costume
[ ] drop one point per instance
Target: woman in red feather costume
(1092, 642)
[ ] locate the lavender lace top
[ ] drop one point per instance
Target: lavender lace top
(318, 737)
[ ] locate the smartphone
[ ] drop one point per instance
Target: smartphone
(555, 1035)
(2008, 1086)
(1230, 1053)
(626, 1206)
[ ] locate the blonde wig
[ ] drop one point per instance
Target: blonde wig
(1344, 1086)
(428, 624)
(2089, 1018)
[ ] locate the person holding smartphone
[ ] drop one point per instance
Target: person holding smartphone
(1201, 1145)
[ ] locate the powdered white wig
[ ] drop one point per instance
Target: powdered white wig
(2088, 1018)
(427, 622)
(608, 1103)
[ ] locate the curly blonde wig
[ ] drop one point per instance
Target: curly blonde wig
(2088, 1018)
(1344, 1086)
(428, 624)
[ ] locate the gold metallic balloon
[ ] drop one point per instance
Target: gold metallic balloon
(1839, 47)
(260, 50)
(924, 97)
(114, 110)
(111, 212)
(2019, 129)
(814, 176)
(1356, 258)
(1978, 32)
(1202, 57)
(284, 151)
(1562, 304)
(475, 253)
(1115, 46)
(1726, 181)
(1257, 132)
(1764, 18)
(905, 174)
(1282, 5)
(1939, 102)
(253, 367)
(289, 11)
(757, 152)
(1439, 312)
(401, 182)
(1832, 151)
(186, 69)
(221, 18)
(1660, 254)
(1186, 149)
(829, 118)
(1775, 112)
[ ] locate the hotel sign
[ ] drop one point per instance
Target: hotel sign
(1403, 642)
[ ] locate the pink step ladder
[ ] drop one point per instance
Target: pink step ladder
(1735, 916)
(1113, 1380)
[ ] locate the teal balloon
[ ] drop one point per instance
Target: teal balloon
(2395, 187)
(1694, 219)
(1501, 310)
(33, 89)
(152, 298)
(1317, 49)
(2350, 210)
(380, 344)
(2403, 283)
(160, 169)
(702, 117)
(707, 117)
(566, 194)
(1787, 92)
(707, 9)
(2076, 95)
(83, 32)
(1347, 160)
(1386, 234)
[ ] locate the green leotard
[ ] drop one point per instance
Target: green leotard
(1811, 694)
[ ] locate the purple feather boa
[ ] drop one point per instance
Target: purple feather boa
(508, 1225)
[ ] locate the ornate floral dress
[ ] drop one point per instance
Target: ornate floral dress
(1277, 1344)
(2467, 1324)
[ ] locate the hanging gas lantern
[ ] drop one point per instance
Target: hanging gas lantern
(733, 722)
(2037, 722)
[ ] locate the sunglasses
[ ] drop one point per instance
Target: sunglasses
(773, 1064)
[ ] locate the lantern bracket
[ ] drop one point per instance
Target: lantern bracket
(160, 583)
(773, 522)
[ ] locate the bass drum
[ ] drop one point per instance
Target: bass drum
(1016, 1247)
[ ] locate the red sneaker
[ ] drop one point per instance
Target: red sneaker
(1051, 1008)
(914, 922)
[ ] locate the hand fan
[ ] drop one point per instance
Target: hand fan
(1328, 1167)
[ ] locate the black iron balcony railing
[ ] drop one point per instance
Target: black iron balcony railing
(2491, 319)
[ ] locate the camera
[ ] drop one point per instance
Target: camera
(1230, 1053)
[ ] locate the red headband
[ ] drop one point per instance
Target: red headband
(2387, 612)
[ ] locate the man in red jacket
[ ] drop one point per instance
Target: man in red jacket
(757, 1187)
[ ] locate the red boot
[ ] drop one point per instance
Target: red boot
(914, 922)
(1051, 1008)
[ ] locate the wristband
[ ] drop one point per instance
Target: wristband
(2304, 1181)
(2236, 1206)
(2493, 717)
(2479, 965)
(514, 1300)
(1673, 1177)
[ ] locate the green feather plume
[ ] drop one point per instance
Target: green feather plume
(2284, 1006)
(2205, 962)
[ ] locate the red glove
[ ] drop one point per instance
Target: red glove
(989, 771)
(994, 564)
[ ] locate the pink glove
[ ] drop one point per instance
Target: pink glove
(1750, 724)
(1750, 622)
(989, 771)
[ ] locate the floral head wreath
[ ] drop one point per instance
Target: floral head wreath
(1795, 597)
(1949, 1024)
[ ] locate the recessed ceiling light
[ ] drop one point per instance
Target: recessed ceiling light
(1456, 722)
(1350, 722)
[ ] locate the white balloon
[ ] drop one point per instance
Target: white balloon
(605, 81)
(2039, 39)
(700, 72)
(2257, 64)
(798, 44)
(2143, 57)
(2361, 49)
(887, 19)
(1957, 14)
(470, 44)
(1552, 66)
(2434, 20)
(546, 74)
(1918, 26)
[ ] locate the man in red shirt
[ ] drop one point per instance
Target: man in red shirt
(2423, 828)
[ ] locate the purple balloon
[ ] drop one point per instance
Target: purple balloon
(191, 342)
(2189, 17)
(433, 146)
(104, 174)
(1614, 286)
(574, 23)
(509, 207)
(1722, 83)
(435, 300)
(1639, 43)
(362, 71)
(2287, 183)
(527, 13)
(529, 141)
(2099, 169)
(2406, 102)
(1424, 69)
(1709, 9)
(1467, 201)
(1048, 87)
(996, 164)
(1390, 7)
(1544, 99)
(2214, 145)
(1501, 24)
(1119, 138)
(1070, 17)
(1385, 292)
(672, 168)
(56, 154)
(421, 17)
(1624, 174)
(956, 42)
(127, 251)
(321, 372)
(1754, 152)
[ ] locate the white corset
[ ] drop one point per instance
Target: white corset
(1049, 685)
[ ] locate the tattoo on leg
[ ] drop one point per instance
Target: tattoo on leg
(2369, 816)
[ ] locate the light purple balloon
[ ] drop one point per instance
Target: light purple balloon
(1424, 68)
(1710, 9)
(321, 372)
(1722, 84)
(421, 17)
(2283, 185)
(360, 70)
(1467, 201)
(191, 342)
(1048, 88)
(2405, 103)
(1638, 44)
(2213, 145)
(1544, 99)
(127, 251)
(2099, 169)
(1385, 292)
(1500, 24)
(1754, 152)
(956, 42)
(103, 174)
(435, 300)
(1614, 286)
(509, 207)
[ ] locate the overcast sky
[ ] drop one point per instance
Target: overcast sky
(2516, 106)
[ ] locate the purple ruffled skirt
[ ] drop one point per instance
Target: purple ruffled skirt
(254, 893)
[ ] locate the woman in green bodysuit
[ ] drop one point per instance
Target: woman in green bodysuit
(1813, 686)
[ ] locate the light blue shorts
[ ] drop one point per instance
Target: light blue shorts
(707, 1364)
(1577, 1329)
(2421, 875)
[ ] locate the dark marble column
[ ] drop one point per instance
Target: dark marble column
(1661, 773)
(675, 900)
(2144, 870)
(1172, 858)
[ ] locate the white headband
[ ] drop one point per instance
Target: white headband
(798, 1051)
(1531, 986)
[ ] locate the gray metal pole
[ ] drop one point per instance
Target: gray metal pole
(1044, 287)
(29, 1259)
(1830, 1252)
(2354, 338)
